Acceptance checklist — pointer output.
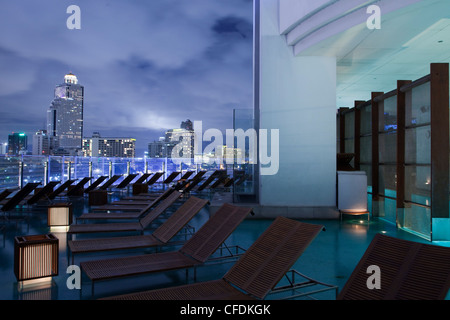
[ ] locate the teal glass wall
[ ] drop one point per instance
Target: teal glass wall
(387, 148)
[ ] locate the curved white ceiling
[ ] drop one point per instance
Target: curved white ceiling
(413, 34)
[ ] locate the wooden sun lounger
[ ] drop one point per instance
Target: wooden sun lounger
(138, 226)
(171, 177)
(109, 183)
(142, 178)
(5, 194)
(254, 275)
(161, 236)
(211, 178)
(219, 181)
(408, 271)
(128, 214)
(126, 181)
(60, 189)
(192, 184)
(133, 206)
(95, 184)
(19, 196)
(194, 252)
(144, 197)
(44, 192)
(228, 182)
(186, 175)
(77, 188)
(155, 178)
(199, 175)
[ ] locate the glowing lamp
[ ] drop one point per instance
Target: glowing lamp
(36, 257)
(59, 215)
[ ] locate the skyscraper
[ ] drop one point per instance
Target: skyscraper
(177, 143)
(43, 144)
(98, 146)
(182, 140)
(17, 143)
(65, 115)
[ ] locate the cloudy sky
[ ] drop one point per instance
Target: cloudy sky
(146, 65)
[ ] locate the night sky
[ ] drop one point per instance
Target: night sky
(146, 65)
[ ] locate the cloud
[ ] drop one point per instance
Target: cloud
(146, 65)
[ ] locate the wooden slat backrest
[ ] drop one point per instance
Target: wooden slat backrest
(272, 255)
(155, 178)
(186, 175)
(172, 176)
(142, 178)
(60, 189)
(126, 181)
(78, 186)
(109, 183)
(192, 184)
(96, 183)
(159, 209)
(199, 175)
(408, 270)
(19, 196)
(179, 219)
(215, 231)
(5, 194)
(47, 189)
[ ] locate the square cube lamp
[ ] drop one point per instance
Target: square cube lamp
(60, 215)
(36, 257)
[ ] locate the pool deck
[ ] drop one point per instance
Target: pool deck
(330, 258)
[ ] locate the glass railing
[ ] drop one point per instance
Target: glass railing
(17, 171)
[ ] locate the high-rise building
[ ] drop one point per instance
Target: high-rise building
(43, 144)
(183, 140)
(4, 148)
(177, 143)
(17, 143)
(98, 146)
(160, 148)
(65, 115)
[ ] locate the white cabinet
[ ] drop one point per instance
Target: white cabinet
(352, 191)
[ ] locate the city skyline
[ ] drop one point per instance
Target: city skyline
(176, 61)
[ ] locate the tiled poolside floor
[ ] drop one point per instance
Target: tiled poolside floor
(329, 259)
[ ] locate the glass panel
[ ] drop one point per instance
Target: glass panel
(417, 219)
(349, 125)
(81, 168)
(418, 184)
(387, 144)
(418, 105)
(98, 168)
(387, 209)
(349, 146)
(387, 180)
(388, 114)
(418, 145)
(9, 172)
(34, 169)
(244, 174)
(366, 149)
(366, 120)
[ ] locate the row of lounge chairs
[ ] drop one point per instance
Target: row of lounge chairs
(31, 194)
(145, 209)
(410, 270)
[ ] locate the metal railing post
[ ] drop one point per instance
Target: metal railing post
(21, 165)
(45, 172)
(90, 171)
